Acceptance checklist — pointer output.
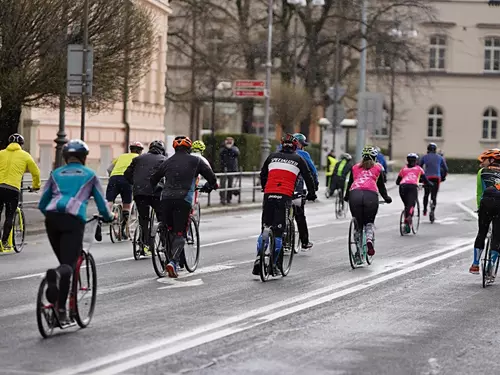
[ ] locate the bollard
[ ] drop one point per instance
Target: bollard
(241, 176)
(253, 183)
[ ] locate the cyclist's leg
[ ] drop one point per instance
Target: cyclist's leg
(266, 221)
(11, 200)
(279, 223)
(142, 203)
(370, 209)
(483, 221)
(434, 190)
(179, 218)
(333, 184)
(300, 218)
(404, 199)
(126, 194)
(112, 190)
(427, 192)
(495, 233)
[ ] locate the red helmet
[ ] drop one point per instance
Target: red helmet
(182, 141)
(136, 145)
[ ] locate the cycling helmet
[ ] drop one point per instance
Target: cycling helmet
(378, 149)
(289, 142)
(369, 152)
(76, 148)
(488, 154)
(157, 145)
(431, 147)
(16, 138)
(346, 156)
(412, 157)
(137, 146)
(182, 141)
(301, 138)
(198, 146)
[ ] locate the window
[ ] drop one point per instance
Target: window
(490, 123)
(437, 52)
(492, 54)
(435, 123)
(382, 130)
(382, 59)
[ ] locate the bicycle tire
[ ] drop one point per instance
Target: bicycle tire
(414, 228)
(351, 241)
(288, 247)
(337, 206)
(266, 253)
(89, 262)
(133, 220)
(18, 247)
(136, 245)
(116, 223)
(485, 261)
(40, 312)
(191, 266)
(402, 223)
(158, 264)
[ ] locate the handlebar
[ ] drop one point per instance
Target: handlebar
(95, 217)
(29, 189)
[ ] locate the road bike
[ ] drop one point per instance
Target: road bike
(139, 248)
(285, 257)
(161, 250)
(340, 205)
(415, 219)
(83, 288)
(356, 244)
(17, 234)
(116, 232)
(489, 268)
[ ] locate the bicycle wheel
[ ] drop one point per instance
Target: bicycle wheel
(416, 218)
(352, 245)
(266, 256)
(45, 315)
(402, 223)
(115, 231)
(133, 220)
(18, 230)
(288, 249)
(159, 254)
(85, 289)
(486, 263)
(137, 245)
(192, 246)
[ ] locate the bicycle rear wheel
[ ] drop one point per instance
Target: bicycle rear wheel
(115, 228)
(45, 315)
(416, 218)
(266, 256)
(288, 250)
(486, 263)
(159, 253)
(352, 243)
(137, 245)
(192, 247)
(85, 290)
(18, 230)
(402, 223)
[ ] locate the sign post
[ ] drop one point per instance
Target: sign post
(249, 89)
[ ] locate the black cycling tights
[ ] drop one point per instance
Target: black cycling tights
(364, 208)
(489, 212)
(432, 191)
(10, 199)
(65, 234)
(409, 195)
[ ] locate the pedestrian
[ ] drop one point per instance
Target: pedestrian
(330, 166)
(229, 155)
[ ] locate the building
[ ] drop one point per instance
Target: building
(457, 107)
(105, 132)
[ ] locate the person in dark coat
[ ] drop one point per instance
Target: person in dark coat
(229, 155)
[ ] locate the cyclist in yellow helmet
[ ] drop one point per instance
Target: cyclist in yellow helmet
(197, 149)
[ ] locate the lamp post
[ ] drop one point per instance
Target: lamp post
(224, 85)
(324, 124)
(361, 129)
(84, 66)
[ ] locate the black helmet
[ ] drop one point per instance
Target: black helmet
(431, 147)
(76, 148)
(412, 157)
(157, 146)
(16, 138)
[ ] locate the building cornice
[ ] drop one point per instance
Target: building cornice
(439, 24)
(437, 73)
(491, 26)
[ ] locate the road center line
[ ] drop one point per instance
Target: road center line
(163, 348)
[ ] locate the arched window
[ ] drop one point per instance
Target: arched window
(435, 122)
(490, 123)
(492, 54)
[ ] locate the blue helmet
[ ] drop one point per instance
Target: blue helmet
(76, 148)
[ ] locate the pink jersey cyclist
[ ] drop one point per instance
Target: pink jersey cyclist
(366, 179)
(411, 175)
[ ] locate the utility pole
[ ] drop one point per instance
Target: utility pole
(361, 128)
(336, 78)
(266, 145)
(126, 124)
(84, 66)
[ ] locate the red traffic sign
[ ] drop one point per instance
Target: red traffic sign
(249, 84)
(249, 93)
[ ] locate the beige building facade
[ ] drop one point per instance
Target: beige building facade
(105, 132)
(456, 104)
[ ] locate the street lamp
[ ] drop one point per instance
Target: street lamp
(224, 85)
(360, 133)
(324, 124)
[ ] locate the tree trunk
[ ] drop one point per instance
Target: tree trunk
(10, 114)
(247, 116)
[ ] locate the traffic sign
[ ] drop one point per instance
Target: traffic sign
(340, 92)
(249, 84)
(370, 110)
(74, 71)
(250, 93)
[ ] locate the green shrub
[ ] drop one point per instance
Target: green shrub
(314, 150)
(462, 166)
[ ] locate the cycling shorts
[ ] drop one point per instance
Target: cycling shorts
(119, 186)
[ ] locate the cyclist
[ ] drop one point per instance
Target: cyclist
(118, 184)
(408, 179)
(278, 176)
(330, 166)
(64, 204)
(488, 204)
(340, 173)
(432, 163)
(300, 211)
(198, 149)
(365, 181)
(382, 161)
(14, 162)
(137, 174)
(180, 172)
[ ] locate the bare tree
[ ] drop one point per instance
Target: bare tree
(33, 55)
(290, 104)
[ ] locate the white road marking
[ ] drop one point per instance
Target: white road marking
(163, 348)
(470, 211)
(173, 283)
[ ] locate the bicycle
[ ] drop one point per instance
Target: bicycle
(357, 240)
(415, 222)
(84, 280)
(138, 246)
(340, 206)
(115, 228)
(487, 266)
(288, 248)
(17, 234)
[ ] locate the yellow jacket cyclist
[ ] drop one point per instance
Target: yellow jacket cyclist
(14, 162)
(118, 184)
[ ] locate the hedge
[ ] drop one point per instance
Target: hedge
(462, 166)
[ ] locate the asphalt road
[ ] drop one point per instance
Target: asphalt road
(415, 310)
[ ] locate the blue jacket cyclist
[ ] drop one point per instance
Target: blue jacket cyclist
(64, 204)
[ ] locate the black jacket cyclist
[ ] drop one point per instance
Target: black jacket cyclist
(180, 172)
(138, 174)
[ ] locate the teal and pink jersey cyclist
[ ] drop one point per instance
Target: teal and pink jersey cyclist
(365, 183)
(408, 180)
